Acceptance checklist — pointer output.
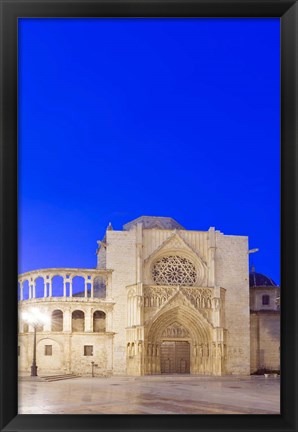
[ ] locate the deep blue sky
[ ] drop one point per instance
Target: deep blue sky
(120, 118)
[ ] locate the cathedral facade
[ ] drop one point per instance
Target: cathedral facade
(162, 299)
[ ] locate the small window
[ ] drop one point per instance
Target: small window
(19, 349)
(48, 350)
(88, 350)
(265, 300)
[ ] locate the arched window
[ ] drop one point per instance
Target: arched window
(265, 300)
(39, 286)
(78, 286)
(57, 286)
(25, 328)
(25, 290)
(99, 321)
(78, 321)
(174, 270)
(57, 320)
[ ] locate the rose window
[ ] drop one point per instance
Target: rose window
(174, 270)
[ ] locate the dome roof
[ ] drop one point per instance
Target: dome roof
(260, 280)
(150, 222)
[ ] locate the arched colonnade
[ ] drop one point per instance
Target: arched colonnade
(64, 282)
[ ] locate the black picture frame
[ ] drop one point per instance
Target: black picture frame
(288, 13)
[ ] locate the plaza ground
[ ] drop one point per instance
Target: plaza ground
(155, 394)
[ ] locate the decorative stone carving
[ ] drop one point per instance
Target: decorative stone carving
(200, 298)
(174, 270)
(175, 330)
(157, 296)
(216, 303)
(213, 350)
(176, 243)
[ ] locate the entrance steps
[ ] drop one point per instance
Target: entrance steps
(51, 378)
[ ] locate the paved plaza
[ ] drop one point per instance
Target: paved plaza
(158, 394)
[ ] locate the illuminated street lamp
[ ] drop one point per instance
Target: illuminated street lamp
(34, 317)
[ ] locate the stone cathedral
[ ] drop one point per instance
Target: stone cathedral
(161, 300)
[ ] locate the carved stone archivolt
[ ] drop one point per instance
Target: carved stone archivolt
(175, 330)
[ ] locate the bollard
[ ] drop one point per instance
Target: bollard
(93, 365)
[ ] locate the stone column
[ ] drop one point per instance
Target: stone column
(21, 291)
(34, 289)
(134, 303)
(67, 320)
(130, 311)
(30, 290)
(133, 310)
(70, 287)
(157, 364)
(45, 287)
(92, 287)
(85, 288)
(139, 309)
(50, 287)
(64, 286)
(89, 320)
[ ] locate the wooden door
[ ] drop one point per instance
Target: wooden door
(168, 357)
(175, 357)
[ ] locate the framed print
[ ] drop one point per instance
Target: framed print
(164, 133)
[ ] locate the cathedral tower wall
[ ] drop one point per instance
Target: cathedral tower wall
(121, 258)
(231, 273)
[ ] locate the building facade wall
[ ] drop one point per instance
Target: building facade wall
(256, 297)
(211, 313)
(67, 346)
(265, 341)
(67, 353)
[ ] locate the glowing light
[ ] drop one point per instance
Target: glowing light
(35, 316)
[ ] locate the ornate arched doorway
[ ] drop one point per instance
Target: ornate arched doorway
(179, 340)
(175, 349)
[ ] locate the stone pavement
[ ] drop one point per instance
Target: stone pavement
(155, 394)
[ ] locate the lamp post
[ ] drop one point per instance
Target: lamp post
(34, 317)
(33, 366)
